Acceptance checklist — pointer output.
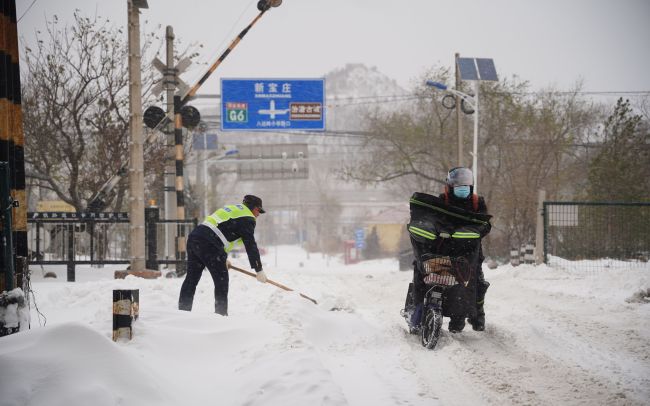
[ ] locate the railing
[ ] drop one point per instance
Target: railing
(59, 238)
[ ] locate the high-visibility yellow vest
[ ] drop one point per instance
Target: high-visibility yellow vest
(224, 214)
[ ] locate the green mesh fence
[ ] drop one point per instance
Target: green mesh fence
(590, 235)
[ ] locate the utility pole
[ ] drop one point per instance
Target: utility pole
(459, 113)
(136, 170)
(202, 170)
(539, 232)
(170, 167)
(202, 167)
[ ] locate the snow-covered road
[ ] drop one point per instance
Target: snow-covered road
(552, 337)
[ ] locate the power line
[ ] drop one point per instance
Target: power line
(228, 35)
(585, 92)
(393, 99)
(333, 102)
(28, 8)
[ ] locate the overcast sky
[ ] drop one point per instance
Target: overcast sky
(606, 43)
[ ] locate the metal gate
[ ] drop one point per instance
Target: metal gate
(60, 238)
(596, 235)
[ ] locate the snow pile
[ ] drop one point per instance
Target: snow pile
(612, 285)
(642, 296)
(552, 337)
(72, 364)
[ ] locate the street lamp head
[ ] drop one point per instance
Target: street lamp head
(264, 5)
(437, 85)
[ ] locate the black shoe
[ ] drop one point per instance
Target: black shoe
(456, 324)
(478, 323)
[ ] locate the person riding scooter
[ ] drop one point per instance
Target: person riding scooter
(459, 192)
(459, 198)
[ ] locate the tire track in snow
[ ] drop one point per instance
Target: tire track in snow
(378, 299)
(363, 350)
(540, 343)
(537, 351)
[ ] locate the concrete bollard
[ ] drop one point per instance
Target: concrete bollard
(126, 309)
(514, 257)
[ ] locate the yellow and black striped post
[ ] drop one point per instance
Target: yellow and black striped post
(180, 199)
(178, 136)
(100, 198)
(126, 310)
(12, 140)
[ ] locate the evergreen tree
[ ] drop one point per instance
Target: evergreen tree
(620, 170)
(373, 249)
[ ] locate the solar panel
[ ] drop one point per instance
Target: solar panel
(467, 69)
(486, 69)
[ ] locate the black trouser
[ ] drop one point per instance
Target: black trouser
(481, 284)
(205, 252)
(419, 287)
(481, 288)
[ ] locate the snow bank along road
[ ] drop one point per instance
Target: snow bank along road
(552, 337)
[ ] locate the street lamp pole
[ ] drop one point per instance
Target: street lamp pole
(475, 147)
(459, 114)
(473, 102)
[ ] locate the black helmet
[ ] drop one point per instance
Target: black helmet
(252, 202)
(460, 176)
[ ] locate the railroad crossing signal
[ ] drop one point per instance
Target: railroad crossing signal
(174, 73)
(190, 116)
(154, 114)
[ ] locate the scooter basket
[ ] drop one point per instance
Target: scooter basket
(446, 271)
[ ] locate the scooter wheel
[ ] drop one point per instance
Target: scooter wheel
(431, 326)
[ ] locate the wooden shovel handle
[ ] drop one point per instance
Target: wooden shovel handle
(279, 285)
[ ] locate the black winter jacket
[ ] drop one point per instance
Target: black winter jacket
(233, 229)
(434, 216)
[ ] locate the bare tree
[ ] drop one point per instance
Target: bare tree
(410, 146)
(75, 103)
(529, 141)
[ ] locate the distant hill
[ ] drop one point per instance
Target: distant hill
(354, 89)
(359, 80)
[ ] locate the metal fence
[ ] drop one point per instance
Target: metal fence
(596, 235)
(99, 239)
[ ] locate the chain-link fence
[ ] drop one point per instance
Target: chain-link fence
(592, 236)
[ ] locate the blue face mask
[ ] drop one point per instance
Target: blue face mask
(461, 192)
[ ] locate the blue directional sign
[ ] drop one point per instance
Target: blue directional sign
(273, 104)
(359, 238)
